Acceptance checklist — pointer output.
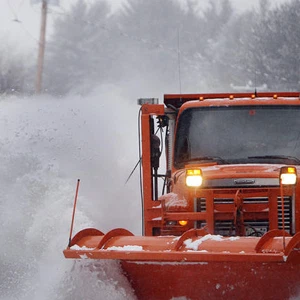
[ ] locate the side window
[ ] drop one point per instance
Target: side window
(182, 145)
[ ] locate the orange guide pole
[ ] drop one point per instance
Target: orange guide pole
(74, 208)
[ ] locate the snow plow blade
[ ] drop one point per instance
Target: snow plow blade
(197, 263)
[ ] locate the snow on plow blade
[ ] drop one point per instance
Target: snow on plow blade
(198, 265)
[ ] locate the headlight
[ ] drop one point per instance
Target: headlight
(193, 177)
(288, 175)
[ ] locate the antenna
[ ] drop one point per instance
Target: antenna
(255, 89)
(255, 83)
(178, 54)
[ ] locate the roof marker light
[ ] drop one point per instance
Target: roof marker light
(231, 97)
(275, 96)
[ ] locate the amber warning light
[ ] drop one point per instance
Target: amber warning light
(142, 101)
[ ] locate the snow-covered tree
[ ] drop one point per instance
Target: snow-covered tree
(167, 37)
(281, 43)
(260, 49)
(152, 30)
(12, 69)
(80, 52)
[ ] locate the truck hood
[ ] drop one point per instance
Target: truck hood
(248, 170)
(241, 175)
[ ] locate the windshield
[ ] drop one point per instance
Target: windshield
(239, 134)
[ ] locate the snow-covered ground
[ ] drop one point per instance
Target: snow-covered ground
(46, 144)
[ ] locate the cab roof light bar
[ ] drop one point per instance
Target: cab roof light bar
(176, 100)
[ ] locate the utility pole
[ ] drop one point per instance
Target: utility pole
(42, 44)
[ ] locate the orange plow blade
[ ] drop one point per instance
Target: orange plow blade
(198, 265)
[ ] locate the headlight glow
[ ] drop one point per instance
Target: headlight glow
(193, 177)
(288, 175)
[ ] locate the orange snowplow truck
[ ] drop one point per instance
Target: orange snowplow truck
(227, 222)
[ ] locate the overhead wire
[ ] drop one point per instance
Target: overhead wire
(12, 10)
(20, 22)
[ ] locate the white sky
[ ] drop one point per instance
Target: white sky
(24, 31)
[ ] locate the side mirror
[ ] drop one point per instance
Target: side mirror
(155, 151)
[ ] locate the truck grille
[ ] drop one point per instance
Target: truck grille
(287, 213)
(252, 227)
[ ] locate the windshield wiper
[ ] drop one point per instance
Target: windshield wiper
(284, 157)
(205, 158)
